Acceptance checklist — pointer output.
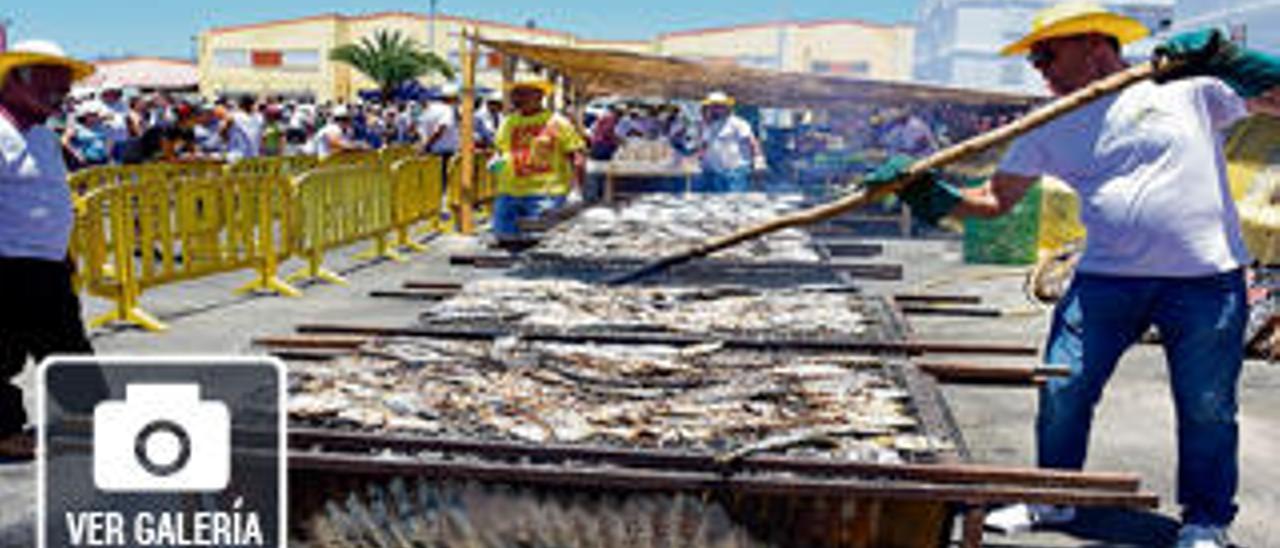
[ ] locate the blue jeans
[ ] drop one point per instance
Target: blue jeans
(1201, 323)
(736, 180)
(508, 210)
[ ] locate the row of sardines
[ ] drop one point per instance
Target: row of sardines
(696, 394)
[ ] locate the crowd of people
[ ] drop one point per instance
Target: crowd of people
(108, 127)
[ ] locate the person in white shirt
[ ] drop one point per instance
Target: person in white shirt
(335, 136)
(243, 131)
(39, 309)
(1163, 244)
(728, 148)
(438, 125)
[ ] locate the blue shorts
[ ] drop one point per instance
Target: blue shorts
(508, 210)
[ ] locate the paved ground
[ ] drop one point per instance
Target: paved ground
(1133, 430)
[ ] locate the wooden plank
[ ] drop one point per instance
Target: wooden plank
(292, 341)
(851, 248)
(936, 298)
(432, 284)
(410, 294)
(950, 310)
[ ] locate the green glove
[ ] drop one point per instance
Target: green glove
(930, 197)
(1210, 53)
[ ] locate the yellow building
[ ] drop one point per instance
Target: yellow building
(290, 57)
(844, 47)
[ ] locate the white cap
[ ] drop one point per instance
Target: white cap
(449, 90)
(341, 111)
(40, 47)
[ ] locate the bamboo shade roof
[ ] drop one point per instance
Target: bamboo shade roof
(597, 72)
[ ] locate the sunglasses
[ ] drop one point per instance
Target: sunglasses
(1041, 57)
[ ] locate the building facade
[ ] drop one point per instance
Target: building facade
(845, 47)
(290, 57)
(1255, 23)
(958, 41)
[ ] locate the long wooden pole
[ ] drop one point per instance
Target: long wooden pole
(466, 135)
(974, 145)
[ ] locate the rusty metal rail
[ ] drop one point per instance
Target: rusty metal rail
(633, 480)
(911, 347)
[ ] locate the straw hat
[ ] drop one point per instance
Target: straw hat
(41, 52)
(545, 86)
(1075, 18)
(718, 98)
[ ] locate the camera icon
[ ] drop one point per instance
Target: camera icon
(161, 438)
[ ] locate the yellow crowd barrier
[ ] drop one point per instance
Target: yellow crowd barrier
(287, 166)
(139, 227)
(417, 197)
(159, 230)
(338, 206)
(86, 180)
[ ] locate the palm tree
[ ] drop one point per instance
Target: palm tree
(390, 59)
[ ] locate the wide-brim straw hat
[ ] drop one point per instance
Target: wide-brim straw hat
(1076, 18)
(41, 53)
(544, 86)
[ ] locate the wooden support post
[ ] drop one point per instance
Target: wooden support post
(974, 516)
(466, 135)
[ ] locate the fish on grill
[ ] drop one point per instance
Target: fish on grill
(627, 396)
(655, 224)
(572, 304)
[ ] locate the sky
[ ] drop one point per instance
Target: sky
(87, 28)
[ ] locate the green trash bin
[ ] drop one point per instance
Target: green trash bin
(1009, 239)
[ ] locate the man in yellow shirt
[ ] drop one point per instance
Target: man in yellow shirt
(540, 159)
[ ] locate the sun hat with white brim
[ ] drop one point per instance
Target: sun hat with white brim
(31, 53)
(1076, 18)
(718, 98)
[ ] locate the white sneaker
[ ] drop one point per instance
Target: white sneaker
(1019, 518)
(1202, 536)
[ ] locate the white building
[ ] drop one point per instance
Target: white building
(1256, 23)
(958, 42)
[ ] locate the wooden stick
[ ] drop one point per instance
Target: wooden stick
(974, 145)
(293, 341)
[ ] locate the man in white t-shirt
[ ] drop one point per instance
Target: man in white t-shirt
(438, 125)
(243, 131)
(1163, 244)
(39, 310)
(728, 148)
(335, 136)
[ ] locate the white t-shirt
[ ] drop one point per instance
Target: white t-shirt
(439, 115)
(321, 140)
(244, 137)
(118, 123)
(1151, 175)
(35, 200)
(728, 144)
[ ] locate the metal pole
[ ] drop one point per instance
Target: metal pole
(431, 27)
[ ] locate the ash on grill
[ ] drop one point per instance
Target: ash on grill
(628, 396)
(565, 304)
(454, 514)
(653, 225)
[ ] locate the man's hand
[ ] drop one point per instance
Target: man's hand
(1210, 53)
(930, 198)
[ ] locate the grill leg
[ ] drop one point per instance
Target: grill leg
(971, 537)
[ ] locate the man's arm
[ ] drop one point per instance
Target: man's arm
(993, 198)
(1267, 104)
